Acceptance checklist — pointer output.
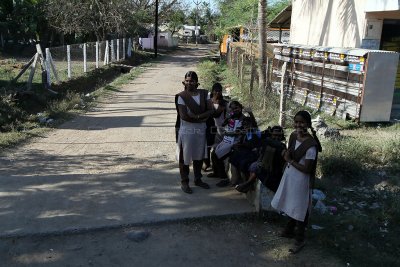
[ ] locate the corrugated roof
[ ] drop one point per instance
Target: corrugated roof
(283, 19)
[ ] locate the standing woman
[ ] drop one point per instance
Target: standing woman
(293, 196)
(193, 110)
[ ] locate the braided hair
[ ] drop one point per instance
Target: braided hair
(307, 117)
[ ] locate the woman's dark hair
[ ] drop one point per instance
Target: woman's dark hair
(307, 117)
(217, 87)
(248, 121)
(192, 75)
(236, 103)
(279, 129)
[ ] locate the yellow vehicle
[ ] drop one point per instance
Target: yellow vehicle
(234, 34)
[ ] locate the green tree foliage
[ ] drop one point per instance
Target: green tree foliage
(19, 19)
(91, 16)
(237, 12)
(104, 17)
(275, 7)
(245, 12)
(206, 18)
(175, 20)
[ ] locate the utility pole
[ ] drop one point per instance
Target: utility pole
(197, 3)
(156, 30)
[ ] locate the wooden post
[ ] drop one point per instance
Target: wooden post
(24, 69)
(32, 72)
(237, 63)
(123, 48)
(129, 52)
(69, 61)
(268, 85)
(41, 57)
(231, 57)
(267, 73)
(47, 51)
(117, 49)
(282, 108)
(53, 67)
(322, 84)
(84, 58)
(242, 69)
(97, 54)
(251, 87)
(106, 54)
(112, 51)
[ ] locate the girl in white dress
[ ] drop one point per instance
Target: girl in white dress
(193, 110)
(293, 196)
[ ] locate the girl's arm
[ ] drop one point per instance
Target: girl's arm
(183, 113)
(209, 112)
(206, 114)
(252, 117)
(306, 168)
(225, 122)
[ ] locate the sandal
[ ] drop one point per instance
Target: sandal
(223, 182)
(201, 184)
(186, 188)
(243, 188)
(212, 175)
(287, 234)
(207, 168)
(298, 245)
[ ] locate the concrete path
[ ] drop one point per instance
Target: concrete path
(112, 166)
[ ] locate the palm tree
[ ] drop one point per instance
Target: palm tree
(262, 43)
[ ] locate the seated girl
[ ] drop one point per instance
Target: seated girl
(269, 166)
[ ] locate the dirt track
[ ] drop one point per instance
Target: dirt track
(113, 171)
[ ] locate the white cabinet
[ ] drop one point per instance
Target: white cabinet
(355, 83)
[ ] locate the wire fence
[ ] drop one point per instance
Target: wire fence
(275, 36)
(60, 64)
(75, 60)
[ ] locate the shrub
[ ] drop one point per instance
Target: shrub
(209, 73)
(60, 109)
(10, 114)
(344, 158)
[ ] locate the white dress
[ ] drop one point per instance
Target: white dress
(192, 137)
(294, 194)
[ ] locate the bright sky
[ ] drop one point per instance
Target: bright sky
(192, 4)
(212, 3)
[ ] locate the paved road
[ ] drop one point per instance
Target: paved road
(112, 166)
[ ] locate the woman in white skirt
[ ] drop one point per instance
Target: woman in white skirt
(193, 110)
(293, 196)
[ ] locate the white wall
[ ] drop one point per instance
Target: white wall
(148, 43)
(341, 23)
(328, 22)
(165, 39)
(382, 5)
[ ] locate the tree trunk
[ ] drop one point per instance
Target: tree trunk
(262, 44)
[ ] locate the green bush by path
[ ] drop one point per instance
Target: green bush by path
(209, 73)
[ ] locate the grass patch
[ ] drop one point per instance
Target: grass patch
(209, 73)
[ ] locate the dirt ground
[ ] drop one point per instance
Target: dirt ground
(221, 241)
(108, 172)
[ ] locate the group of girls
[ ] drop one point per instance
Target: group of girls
(292, 169)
